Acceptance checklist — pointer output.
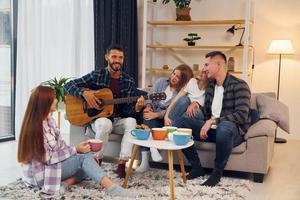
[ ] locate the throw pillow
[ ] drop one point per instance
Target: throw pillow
(275, 110)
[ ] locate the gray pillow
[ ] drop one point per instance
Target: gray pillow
(275, 110)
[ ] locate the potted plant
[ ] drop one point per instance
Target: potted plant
(182, 9)
(190, 39)
(58, 86)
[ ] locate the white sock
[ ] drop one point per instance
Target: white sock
(155, 154)
(118, 191)
(144, 166)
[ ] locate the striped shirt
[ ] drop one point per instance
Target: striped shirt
(99, 79)
(235, 105)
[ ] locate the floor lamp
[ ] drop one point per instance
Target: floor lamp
(280, 47)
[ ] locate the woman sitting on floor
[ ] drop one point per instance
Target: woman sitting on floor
(48, 163)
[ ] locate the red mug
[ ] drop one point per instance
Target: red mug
(95, 144)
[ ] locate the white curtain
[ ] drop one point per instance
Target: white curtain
(55, 39)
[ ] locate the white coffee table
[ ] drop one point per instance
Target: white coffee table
(163, 145)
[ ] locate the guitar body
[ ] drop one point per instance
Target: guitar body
(78, 113)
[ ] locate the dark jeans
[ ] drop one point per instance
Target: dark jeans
(226, 137)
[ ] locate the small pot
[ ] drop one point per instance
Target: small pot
(191, 43)
(183, 14)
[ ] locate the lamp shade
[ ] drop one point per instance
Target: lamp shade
(281, 47)
(231, 30)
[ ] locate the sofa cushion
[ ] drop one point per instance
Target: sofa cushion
(275, 110)
(264, 127)
(210, 146)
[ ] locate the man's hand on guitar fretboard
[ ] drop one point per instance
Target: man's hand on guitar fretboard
(91, 99)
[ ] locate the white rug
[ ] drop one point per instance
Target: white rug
(153, 184)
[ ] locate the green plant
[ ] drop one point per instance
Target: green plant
(190, 39)
(178, 3)
(58, 86)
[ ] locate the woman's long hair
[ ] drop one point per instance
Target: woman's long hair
(31, 140)
(186, 75)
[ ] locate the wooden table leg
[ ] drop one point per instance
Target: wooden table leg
(180, 158)
(171, 173)
(133, 155)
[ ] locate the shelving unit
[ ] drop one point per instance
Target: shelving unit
(152, 48)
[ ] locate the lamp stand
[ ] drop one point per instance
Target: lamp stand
(240, 43)
(277, 139)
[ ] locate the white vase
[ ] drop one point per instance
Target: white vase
(61, 106)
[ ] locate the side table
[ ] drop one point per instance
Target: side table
(162, 145)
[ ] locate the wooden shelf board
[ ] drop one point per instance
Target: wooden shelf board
(156, 46)
(160, 70)
(198, 22)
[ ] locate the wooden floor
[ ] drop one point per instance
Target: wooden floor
(282, 182)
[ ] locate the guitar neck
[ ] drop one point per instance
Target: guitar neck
(121, 100)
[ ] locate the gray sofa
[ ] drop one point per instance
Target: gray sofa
(253, 156)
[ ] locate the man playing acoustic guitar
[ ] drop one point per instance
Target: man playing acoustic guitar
(122, 120)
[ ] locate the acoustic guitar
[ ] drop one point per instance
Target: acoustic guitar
(79, 113)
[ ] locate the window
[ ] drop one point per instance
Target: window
(7, 68)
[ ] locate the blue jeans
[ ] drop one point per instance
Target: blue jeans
(179, 108)
(199, 117)
(80, 166)
(226, 136)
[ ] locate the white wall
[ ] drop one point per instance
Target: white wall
(273, 19)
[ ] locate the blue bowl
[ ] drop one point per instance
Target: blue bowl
(181, 139)
(141, 134)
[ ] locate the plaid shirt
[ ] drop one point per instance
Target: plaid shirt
(235, 105)
(46, 175)
(99, 79)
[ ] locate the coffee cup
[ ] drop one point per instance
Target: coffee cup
(181, 138)
(159, 133)
(170, 129)
(185, 130)
(95, 144)
(141, 134)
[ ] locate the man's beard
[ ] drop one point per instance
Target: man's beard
(112, 67)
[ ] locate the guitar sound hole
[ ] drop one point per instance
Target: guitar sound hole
(91, 112)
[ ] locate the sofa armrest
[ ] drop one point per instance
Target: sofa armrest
(263, 127)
